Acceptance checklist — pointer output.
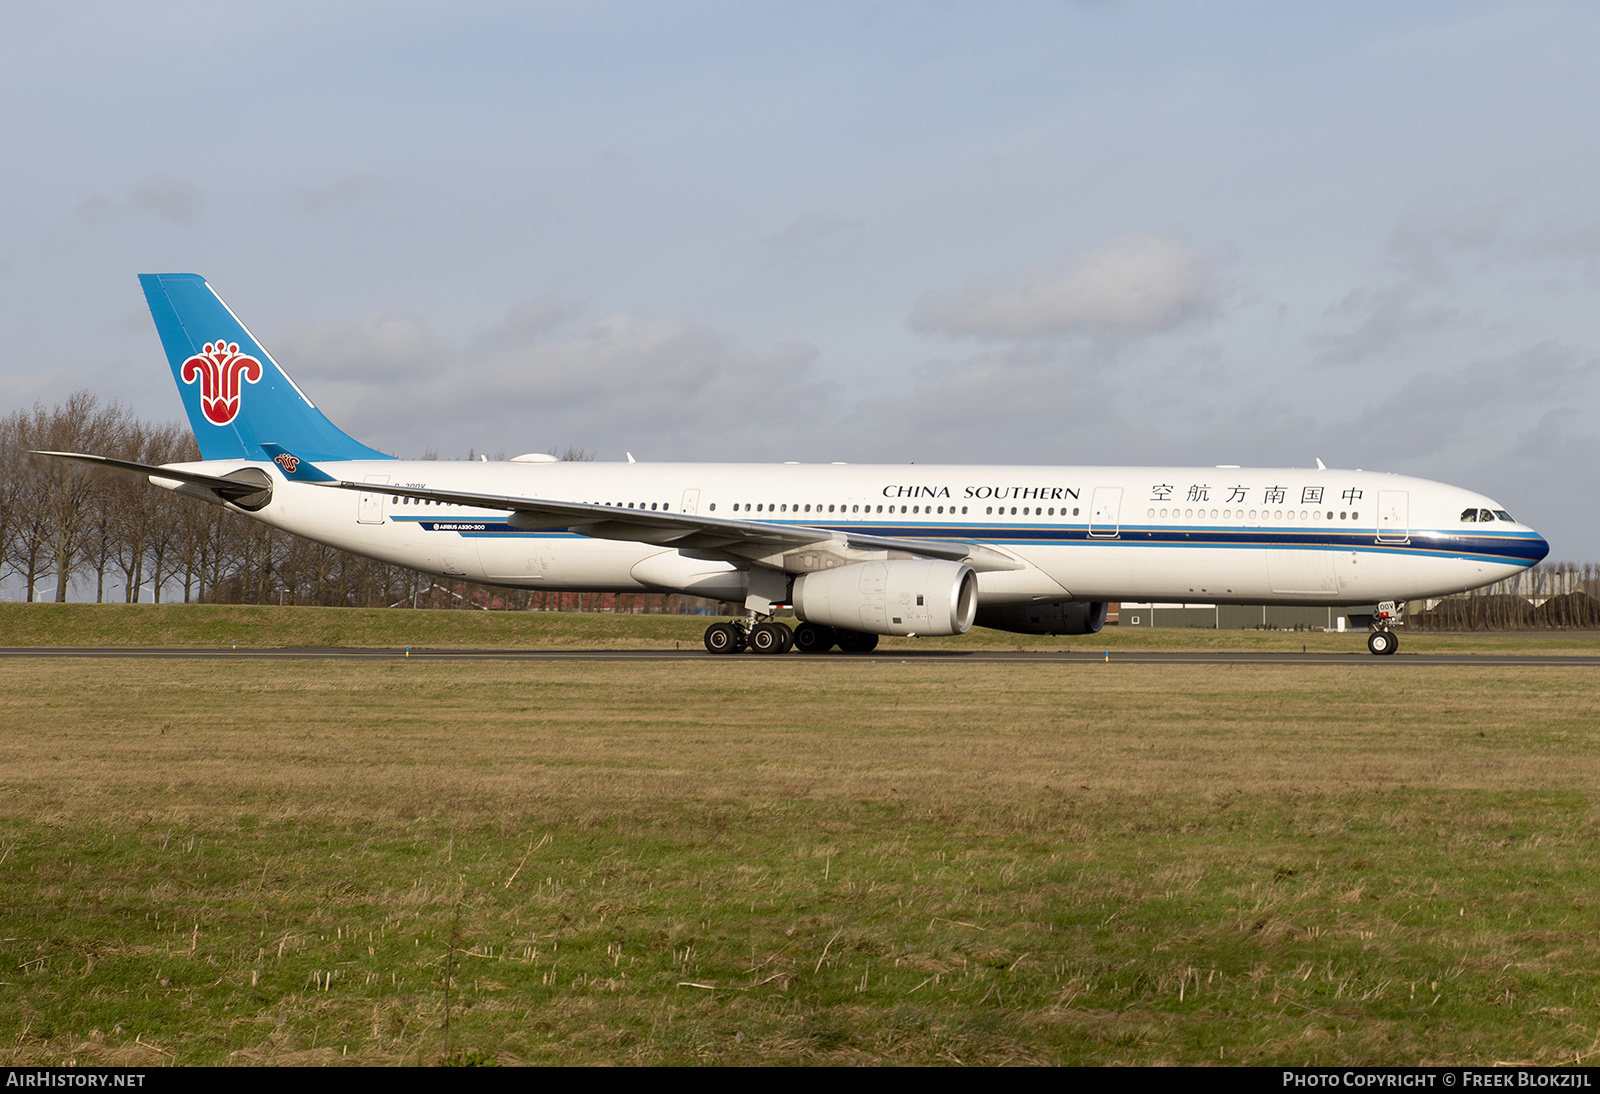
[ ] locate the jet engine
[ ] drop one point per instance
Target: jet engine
(901, 596)
(1053, 617)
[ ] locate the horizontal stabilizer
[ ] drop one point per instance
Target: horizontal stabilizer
(226, 488)
(295, 468)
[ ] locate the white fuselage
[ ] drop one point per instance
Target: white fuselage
(1225, 535)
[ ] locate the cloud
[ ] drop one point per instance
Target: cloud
(1475, 404)
(1425, 244)
(164, 197)
(651, 385)
(1479, 254)
(1382, 320)
(813, 235)
(527, 321)
(347, 193)
(379, 346)
(1136, 285)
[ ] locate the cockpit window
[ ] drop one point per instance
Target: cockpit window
(1505, 516)
(1469, 515)
(1485, 516)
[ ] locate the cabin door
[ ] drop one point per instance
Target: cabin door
(1105, 518)
(369, 506)
(1394, 516)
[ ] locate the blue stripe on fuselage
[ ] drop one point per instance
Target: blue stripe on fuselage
(1525, 548)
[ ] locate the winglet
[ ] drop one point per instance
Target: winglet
(293, 467)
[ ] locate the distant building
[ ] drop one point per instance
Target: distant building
(1245, 617)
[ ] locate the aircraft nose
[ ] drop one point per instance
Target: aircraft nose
(1538, 550)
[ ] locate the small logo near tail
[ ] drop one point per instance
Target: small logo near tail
(219, 367)
(290, 464)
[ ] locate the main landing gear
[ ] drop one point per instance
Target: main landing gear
(770, 636)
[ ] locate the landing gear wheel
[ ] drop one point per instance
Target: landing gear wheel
(723, 638)
(810, 638)
(1382, 643)
(857, 642)
(770, 638)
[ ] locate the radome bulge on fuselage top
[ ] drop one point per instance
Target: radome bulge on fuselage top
(857, 550)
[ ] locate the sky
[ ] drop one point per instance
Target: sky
(1051, 233)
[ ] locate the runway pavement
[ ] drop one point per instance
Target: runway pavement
(1352, 659)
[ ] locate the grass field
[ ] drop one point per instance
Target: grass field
(789, 860)
(251, 626)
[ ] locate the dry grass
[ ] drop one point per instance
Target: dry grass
(270, 627)
(779, 861)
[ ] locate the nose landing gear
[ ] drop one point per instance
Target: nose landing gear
(1383, 641)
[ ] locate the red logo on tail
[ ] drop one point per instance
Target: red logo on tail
(218, 367)
(290, 464)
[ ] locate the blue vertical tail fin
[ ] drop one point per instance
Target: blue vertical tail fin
(236, 395)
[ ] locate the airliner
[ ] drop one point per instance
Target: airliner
(857, 551)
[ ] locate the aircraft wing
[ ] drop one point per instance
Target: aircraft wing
(686, 531)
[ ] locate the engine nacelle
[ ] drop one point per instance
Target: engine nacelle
(1055, 617)
(902, 596)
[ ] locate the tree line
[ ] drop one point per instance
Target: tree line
(63, 523)
(1549, 595)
